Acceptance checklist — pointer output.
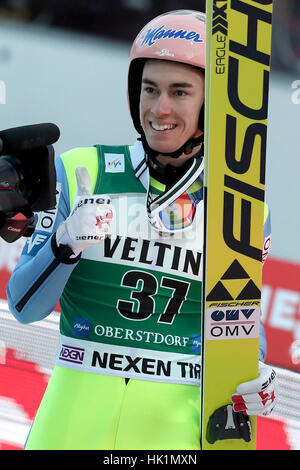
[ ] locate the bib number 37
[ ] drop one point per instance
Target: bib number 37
(144, 297)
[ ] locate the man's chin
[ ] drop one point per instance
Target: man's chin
(163, 149)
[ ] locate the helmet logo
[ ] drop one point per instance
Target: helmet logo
(152, 35)
(165, 52)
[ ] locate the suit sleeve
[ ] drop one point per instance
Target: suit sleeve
(43, 269)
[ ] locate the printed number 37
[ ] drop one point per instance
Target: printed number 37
(148, 287)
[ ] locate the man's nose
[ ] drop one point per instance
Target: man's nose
(162, 106)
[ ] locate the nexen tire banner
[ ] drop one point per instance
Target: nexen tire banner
(121, 361)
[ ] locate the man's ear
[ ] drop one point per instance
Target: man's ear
(197, 133)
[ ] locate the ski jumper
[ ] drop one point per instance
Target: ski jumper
(127, 370)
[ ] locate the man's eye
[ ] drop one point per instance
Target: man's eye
(149, 89)
(180, 93)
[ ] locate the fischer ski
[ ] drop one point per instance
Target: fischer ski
(236, 106)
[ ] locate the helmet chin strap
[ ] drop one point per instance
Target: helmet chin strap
(186, 148)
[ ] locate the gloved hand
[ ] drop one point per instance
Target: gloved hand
(256, 397)
(90, 218)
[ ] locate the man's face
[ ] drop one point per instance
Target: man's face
(172, 95)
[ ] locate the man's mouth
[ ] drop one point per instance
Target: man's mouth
(162, 127)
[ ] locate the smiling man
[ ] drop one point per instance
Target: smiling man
(172, 96)
(127, 372)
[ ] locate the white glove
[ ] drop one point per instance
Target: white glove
(90, 218)
(256, 397)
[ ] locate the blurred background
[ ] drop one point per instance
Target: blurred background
(66, 62)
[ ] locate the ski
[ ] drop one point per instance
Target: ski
(236, 106)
